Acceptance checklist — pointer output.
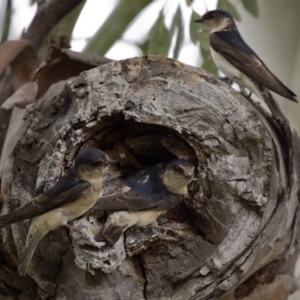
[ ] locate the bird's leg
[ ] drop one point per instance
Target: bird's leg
(164, 228)
(227, 80)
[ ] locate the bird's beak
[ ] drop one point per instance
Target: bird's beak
(110, 161)
(198, 21)
(190, 175)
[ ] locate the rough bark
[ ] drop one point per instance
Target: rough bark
(236, 231)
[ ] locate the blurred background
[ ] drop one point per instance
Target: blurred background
(120, 29)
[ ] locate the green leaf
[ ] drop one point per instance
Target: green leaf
(144, 47)
(180, 34)
(63, 29)
(252, 7)
(176, 20)
(115, 25)
(208, 63)
(159, 39)
(6, 22)
(204, 40)
(194, 28)
(226, 5)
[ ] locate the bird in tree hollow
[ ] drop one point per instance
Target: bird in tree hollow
(72, 196)
(144, 197)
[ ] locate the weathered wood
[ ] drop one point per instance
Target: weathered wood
(241, 214)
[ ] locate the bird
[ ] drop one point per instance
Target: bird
(240, 63)
(144, 197)
(72, 196)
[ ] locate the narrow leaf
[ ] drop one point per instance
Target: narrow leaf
(194, 28)
(7, 21)
(159, 38)
(252, 7)
(208, 63)
(10, 50)
(61, 33)
(26, 94)
(180, 34)
(22, 58)
(115, 25)
(61, 64)
(204, 40)
(226, 5)
(144, 47)
(176, 19)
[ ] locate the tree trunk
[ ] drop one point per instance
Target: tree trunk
(234, 237)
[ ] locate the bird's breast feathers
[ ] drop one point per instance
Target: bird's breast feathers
(226, 67)
(138, 218)
(62, 215)
(233, 73)
(96, 183)
(146, 217)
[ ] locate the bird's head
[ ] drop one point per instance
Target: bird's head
(217, 20)
(177, 174)
(90, 163)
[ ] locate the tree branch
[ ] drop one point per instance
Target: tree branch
(47, 16)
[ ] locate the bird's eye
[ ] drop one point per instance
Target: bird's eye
(178, 169)
(211, 16)
(95, 163)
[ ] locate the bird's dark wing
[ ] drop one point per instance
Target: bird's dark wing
(233, 48)
(141, 192)
(132, 200)
(67, 189)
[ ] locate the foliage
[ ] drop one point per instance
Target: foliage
(52, 28)
(160, 38)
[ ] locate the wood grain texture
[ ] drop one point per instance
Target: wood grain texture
(241, 214)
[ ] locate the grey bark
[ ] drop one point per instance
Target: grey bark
(239, 221)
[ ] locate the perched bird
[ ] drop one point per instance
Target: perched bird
(240, 63)
(73, 195)
(144, 197)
